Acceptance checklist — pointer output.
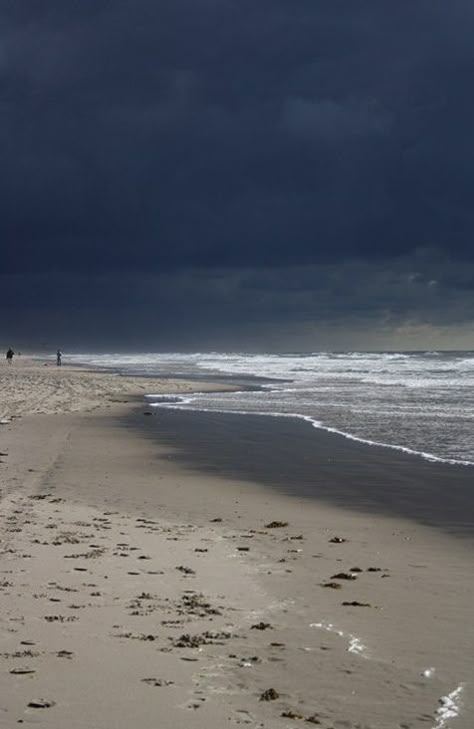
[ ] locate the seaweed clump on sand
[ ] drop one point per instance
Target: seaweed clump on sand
(207, 638)
(276, 524)
(343, 576)
(269, 695)
(196, 604)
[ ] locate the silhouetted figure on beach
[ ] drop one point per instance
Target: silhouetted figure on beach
(10, 354)
(59, 354)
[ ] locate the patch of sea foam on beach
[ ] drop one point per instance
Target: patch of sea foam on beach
(450, 708)
(355, 645)
(450, 705)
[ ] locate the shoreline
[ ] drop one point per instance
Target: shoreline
(286, 455)
(425, 456)
(115, 537)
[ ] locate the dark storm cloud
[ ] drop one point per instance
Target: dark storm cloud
(228, 133)
(422, 301)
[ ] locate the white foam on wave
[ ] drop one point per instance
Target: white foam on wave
(450, 708)
(355, 644)
(404, 449)
(413, 367)
(165, 400)
(357, 395)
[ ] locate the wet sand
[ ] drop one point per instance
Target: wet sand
(293, 457)
(143, 586)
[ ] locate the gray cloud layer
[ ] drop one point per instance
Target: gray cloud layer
(145, 141)
(226, 133)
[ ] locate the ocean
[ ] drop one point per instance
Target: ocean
(421, 403)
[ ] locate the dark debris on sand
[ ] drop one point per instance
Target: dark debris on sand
(41, 704)
(186, 570)
(343, 576)
(294, 715)
(157, 682)
(276, 525)
(196, 604)
(269, 695)
(195, 641)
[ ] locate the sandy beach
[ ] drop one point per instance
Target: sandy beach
(139, 588)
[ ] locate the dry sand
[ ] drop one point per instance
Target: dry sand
(138, 593)
(29, 387)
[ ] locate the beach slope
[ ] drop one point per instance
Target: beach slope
(135, 591)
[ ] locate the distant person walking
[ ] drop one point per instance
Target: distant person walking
(10, 354)
(59, 354)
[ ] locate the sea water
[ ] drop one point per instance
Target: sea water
(420, 402)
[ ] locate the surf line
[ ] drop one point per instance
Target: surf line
(180, 403)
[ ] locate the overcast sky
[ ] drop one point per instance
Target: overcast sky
(243, 174)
